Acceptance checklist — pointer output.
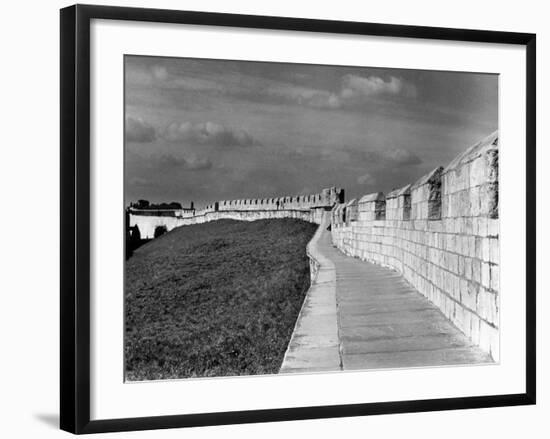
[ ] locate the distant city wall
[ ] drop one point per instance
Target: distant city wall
(442, 234)
(305, 207)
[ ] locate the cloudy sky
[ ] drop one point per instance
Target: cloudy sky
(205, 130)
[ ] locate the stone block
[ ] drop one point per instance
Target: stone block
(470, 246)
(495, 278)
(474, 328)
(489, 339)
(474, 207)
(481, 228)
(466, 325)
(494, 248)
(458, 316)
(492, 227)
(492, 165)
(435, 226)
(463, 288)
(487, 305)
(476, 270)
(489, 200)
(479, 172)
(448, 242)
(452, 262)
(479, 248)
(465, 245)
(468, 268)
(448, 309)
(461, 268)
(468, 296)
(446, 206)
(485, 275)
(485, 249)
(468, 226)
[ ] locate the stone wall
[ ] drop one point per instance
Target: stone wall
(305, 207)
(327, 197)
(442, 234)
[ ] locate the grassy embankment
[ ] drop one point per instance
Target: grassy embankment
(215, 299)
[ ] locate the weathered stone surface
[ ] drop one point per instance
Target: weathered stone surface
(447, 244)
(371, 198)
(383, 322)
(364, 316)
(405, 190)
(308, 208)
(352, 211)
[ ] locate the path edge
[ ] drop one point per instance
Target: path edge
(319, 263)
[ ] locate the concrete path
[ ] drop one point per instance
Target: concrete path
(315, 346)
(365, 316)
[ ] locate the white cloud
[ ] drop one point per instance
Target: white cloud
(353, 85)
(304, 96)
(401, 157)
(160, 73)
(166, 162)
(396, 157)
(159, 76)
(353, 89)
(207, 133)
(366, 179)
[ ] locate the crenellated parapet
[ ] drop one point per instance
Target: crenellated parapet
(352, 211)
(306, 207)
(471, 181)
(372, 207)
(442, 233)
(398, 204)
(426, 196)
(325, 199)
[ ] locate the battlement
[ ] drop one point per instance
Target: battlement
(442, 233)
(306, 207)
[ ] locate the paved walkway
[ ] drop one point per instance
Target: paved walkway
(360, 315)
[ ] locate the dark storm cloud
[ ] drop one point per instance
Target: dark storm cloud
(138, 130)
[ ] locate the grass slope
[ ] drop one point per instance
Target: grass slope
(215, 299)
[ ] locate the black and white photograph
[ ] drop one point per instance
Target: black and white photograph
(285, 218)
(275, 219)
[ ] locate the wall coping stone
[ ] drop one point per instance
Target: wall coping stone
(430, 178)
(405, 190)
(369, 198)
(489, 143)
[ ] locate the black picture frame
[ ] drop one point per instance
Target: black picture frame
(75, 217)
